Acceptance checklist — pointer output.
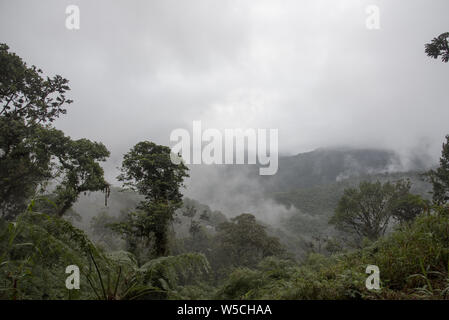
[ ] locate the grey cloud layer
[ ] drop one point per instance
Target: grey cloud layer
(139, 69)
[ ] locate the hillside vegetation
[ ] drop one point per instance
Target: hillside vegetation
(67, 233)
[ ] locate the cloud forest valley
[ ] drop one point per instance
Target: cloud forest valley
(135, 225)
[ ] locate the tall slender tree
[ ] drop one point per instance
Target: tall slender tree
(439, 177)
(148, 169)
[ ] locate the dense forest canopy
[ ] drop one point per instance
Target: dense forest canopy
(144, 240)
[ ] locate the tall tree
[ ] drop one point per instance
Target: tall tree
(244, 242)
(368, 209)
(439, 178)
(32, 152)
(79, 168)
(25, 94)
(148, 169)
(27, 101)
(406, 207)
(23, 165)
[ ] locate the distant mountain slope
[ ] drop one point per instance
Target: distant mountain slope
(315, 205)
(295, 204)
(322, 199)
(324, 166)
(234, 189)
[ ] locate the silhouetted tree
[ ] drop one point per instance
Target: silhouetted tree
(148, 169)
(32, 152)
(439, 46)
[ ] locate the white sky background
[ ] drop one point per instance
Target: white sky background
(139, 69)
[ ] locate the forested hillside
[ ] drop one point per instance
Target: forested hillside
(309, 232)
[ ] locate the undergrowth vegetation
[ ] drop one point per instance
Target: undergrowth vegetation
(413, 263)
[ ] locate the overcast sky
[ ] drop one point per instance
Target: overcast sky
(139, 69)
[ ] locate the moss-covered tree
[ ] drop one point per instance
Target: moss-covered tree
(32, 152)
(148, 169)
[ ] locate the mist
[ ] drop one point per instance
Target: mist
(311, 69)
(224, 150)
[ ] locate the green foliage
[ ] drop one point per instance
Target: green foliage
(192, 209)
(439, 46)
(240, 242)
(25, 94)
(145, 230)
(32, 152)
(80, 170)
(317, 201)
(27, 101)
(172, 272)
(148, 169)
(406, 207)
(36, 249)
(160, 278)
(240, 256)
(368, 210)
(306, 228)
(244, 242)
(413, 263)
(265, 282)
(24, 164)
(439, 178)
